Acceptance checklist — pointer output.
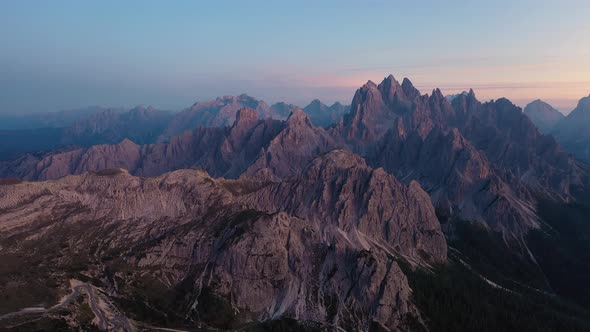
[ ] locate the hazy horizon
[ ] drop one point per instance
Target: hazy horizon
(68, 55)
(172, 108)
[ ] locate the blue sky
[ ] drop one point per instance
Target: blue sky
(68, 54)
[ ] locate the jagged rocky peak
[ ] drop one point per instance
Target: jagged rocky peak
(339, 189)
(464, 104)
(409, 90)
(437, 95)
(367, 111)
(369, 85)
(369, 92)
(298, 117)
(475, 143)
(375, 108)
(393, 91)
(246, 120)
(389, 88)
(291, 149)
(465, 94)
(508, 117)
(246, 116)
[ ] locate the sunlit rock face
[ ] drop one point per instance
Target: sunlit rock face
(313, 248)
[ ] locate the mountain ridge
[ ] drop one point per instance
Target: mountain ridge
(260, 259)
(264, 220)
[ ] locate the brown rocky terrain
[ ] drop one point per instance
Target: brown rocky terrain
(192, 250)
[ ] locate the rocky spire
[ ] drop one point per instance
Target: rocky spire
(409, 90)
(390, 89)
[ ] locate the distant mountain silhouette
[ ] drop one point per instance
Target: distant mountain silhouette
(543, 115)
(323, 115)
(573, 132)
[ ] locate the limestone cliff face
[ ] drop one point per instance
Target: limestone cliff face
(315, 249)
(339, 190)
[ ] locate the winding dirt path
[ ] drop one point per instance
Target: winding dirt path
(78, 289)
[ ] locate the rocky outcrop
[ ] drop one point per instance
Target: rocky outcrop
(369, 116)
(291, 149)
(543, 115)
(228, 253)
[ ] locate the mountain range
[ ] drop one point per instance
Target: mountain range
(404, 211)
(33, 133)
